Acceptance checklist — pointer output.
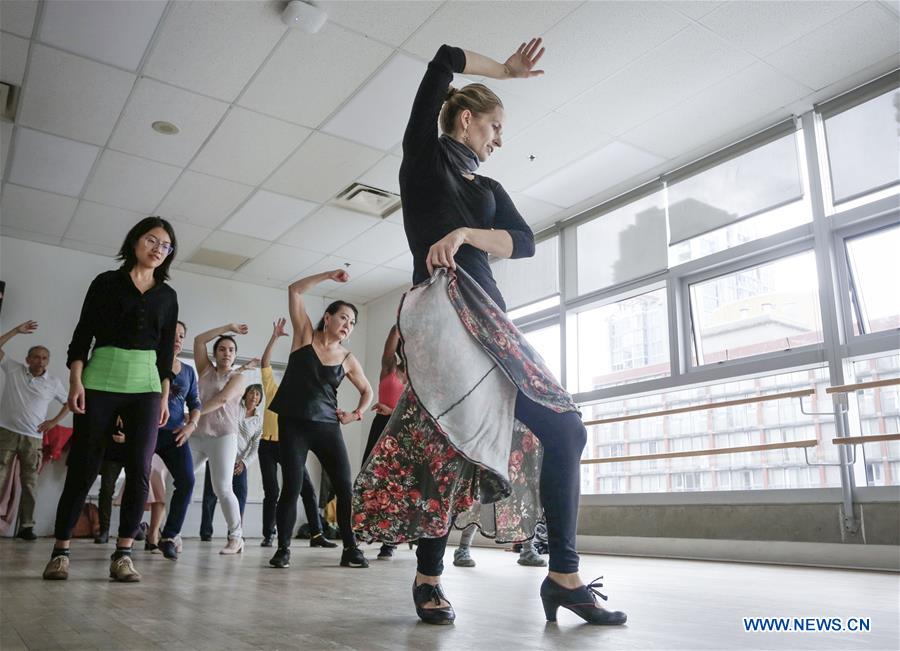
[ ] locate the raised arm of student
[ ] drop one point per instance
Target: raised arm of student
(22, 329)
(303, 327)
(201, 355)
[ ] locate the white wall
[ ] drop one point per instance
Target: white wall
(48, 283)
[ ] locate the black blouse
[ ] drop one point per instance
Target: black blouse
(115, 313)
(437, 199)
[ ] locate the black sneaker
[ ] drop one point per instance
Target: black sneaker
(282, 558)
(266, 542)
(169, 549)
(386, 553)
(26, 533)
(353, 557)
(318, 540)
(205, 538)
(102, 537)
(142, 532)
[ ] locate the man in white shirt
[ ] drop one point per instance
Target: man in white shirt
(27, 394)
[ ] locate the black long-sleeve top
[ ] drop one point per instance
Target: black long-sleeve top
(115, 313)
(438, 199)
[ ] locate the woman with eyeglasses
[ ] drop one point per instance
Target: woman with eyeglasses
(129, 315)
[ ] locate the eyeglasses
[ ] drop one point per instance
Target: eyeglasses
(154, 243)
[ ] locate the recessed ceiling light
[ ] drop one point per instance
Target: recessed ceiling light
(165, 128)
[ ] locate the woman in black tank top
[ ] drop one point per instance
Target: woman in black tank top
(308, 415)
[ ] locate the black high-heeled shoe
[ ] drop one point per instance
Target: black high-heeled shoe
(581, 601)
(422, 594)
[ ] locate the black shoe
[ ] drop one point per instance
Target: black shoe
(580, 601)
(26, 533)
(282, 558)
(142, 531)
(318, 540)
(149, 546)
(102, 538)
(205, 538)
(426, 592)
(168, 548)
(266, 542)
(353, 557)
(386, 553)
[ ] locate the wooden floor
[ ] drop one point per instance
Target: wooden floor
(207, 601)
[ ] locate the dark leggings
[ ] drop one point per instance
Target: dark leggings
(269, 458)
(378, 424)
(92, 433)
(297, 439)
(208, 507)
(180, 464)
(563, 437)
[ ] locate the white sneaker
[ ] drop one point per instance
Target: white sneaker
(233, 546)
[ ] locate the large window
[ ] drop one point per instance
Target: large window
(766, 308)
(546, 342)
(878, 409)
(523, 282)
(864, 147)
(619, 343)
(874, 270)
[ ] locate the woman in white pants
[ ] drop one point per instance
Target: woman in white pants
(215, 438)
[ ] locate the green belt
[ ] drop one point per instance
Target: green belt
(118, 370)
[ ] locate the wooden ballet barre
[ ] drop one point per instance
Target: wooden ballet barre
(870, 438)
(849, 388)
(805, 443)
(800, 393)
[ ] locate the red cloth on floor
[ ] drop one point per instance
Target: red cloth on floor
(55, 441)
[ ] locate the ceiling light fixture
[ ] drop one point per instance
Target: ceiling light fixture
(165, 128)
(304, 16)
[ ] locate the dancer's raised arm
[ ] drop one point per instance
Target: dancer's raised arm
(303, 327)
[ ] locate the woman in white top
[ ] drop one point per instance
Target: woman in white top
(216, 436)
(250, 429)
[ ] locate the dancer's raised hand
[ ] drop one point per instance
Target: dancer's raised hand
(523, 60)
(339, 275)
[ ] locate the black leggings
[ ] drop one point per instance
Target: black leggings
(297, 438)
(93, 432)
(378, 424)
(563, 437)
(269, 458)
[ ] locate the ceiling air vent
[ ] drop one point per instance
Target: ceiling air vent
(218, 259)
(9, 102)
(368, 200)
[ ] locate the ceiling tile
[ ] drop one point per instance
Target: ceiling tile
(249, 247)
(101, 225)
(73, 97)
(202, 199)
(763, 27)
(9, 231)
(378, 282)
(598, 39)
(330, 263)
(113, 32)
(13, 55)
(327, 229)
(17, 16)
(247, 146)
(391, 22)
(396, 217)
(267, 215)
(522, 107)
(725, 110)
(377, 114)
(48, 162)
(893, 5)
(683, 66)
(129, 182)
(188, 238)
(203, 270)
(840, 48)
(322, 167)
(280, 263)
(554, 141)
(334, 63)
(695, 9)
(615, 163)
(377, 245)
(532, 210)
(495, 30)
(403, 262)
(106, 250)
(385, 175)
(194, 115)
(215, 47)
(6, 132)
(35, 210)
